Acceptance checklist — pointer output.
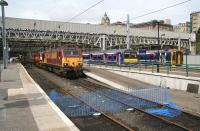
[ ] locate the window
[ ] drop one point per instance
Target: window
(129, 55)
(71, 53)
(168, 56)
(86, 57)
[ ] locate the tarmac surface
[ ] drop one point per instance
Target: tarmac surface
(24, 107)
(189, 102)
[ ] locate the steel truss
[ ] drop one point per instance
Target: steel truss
(34, 38)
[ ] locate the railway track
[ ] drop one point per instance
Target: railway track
(111, 124)
(185, 120)
(161, 126)
(140, 120)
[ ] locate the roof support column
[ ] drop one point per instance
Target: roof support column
(127, 35)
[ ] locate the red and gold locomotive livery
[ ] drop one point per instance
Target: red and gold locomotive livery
(37, 58)
(66, 60)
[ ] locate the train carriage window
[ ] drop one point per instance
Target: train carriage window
(168, 57)
(126, 55)
(129, 55)
(86, 56)
(100, 57)
(71, 53)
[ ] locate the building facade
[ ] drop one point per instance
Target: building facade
(119, 23)
(182, 27)
(195, 21)
(152, 25)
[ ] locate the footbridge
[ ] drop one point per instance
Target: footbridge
(23, 33)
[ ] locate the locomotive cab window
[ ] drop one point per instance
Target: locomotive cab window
(71, 53)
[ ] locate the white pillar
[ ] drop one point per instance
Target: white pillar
(179, 43)
(190, 44)
(104, 42)
(127, 35)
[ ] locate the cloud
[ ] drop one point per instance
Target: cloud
(63, 10)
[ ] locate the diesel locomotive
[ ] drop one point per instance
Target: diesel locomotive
(66, 60)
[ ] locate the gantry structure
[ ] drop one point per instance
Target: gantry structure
(30, 33)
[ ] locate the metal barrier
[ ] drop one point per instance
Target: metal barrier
(184, 69)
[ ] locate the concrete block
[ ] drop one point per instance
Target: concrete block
(193, 88)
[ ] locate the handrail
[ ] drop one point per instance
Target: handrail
(183, 69)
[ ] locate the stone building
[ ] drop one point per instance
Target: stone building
(105, 20)
(153, 25)
(182, 27)
(195, 21)
(119, 23)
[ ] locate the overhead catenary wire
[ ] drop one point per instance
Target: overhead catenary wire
(159, 10)
(136, 17)
(85, 10)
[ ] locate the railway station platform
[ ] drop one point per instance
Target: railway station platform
(25, 107)
(189, 102)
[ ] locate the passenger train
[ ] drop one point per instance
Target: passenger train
(66, 60)
(110, 57)
(170, 57)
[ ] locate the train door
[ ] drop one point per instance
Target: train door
(45, 56)
(112, 58)
(59, 58)
(177, 57)
(180, 58)
(168, 57)
(173, 58)
(115, 59)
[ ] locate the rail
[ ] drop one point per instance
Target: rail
(178, 124)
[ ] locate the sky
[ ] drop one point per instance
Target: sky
(117, 10)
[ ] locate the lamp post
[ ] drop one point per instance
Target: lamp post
(187, 53)
(158, 24)
(161, 36)
(127, 33)
(4, 3)
(161, 47)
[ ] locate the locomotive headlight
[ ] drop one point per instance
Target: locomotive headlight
(65, 64)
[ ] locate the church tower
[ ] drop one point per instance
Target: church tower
(105, 20)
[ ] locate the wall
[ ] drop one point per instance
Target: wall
(192, 59)
(171, 81)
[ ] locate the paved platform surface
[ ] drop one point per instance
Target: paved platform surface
(188, 101)
(25, 107)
